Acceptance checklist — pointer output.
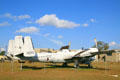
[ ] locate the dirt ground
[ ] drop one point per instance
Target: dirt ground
(48, 71)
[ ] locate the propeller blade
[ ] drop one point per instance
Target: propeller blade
(96, 43)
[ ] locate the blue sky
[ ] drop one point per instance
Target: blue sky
(53, 23)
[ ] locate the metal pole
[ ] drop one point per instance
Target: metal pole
(1, 65)
(44, 67)
(119, 57)
(21, 66)
(105, 67)
(116, 57)
(12, 63)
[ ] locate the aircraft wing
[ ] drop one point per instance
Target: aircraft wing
(108, 52)
(81, 52)
(77, 55)
(83, 58)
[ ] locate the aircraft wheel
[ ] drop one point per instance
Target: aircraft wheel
(64, 65)
(89, 66)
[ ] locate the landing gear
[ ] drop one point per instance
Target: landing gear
(76, 64)
(89, 65)
(64, 65)
(21, 63)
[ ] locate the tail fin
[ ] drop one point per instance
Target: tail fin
(28, 47)
(21, 46)
(15, 46)
(18, 44)
(11, 47)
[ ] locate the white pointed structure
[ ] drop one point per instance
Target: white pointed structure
(18, 44)
(11, 46)
(28, 47)
(21, 45)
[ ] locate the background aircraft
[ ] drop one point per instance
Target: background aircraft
(22, 49)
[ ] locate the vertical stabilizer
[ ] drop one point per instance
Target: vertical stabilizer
(28, 47)
(21, 46)
(11, 47)
(18, 44)
(11, 52)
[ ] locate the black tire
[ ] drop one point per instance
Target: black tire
(89, 66)
(64, 65)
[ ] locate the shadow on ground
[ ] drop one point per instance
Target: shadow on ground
(58, 66)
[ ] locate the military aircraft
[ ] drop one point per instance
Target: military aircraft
(22, 49)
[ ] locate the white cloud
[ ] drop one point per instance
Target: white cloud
(53, 20)
(10, 16)
(31, 29)
(114, 45)
(92, 20)
(4, 24)
(24, 16)
(60, 36)
(60, 43)
(46, 35)
(85, 25)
